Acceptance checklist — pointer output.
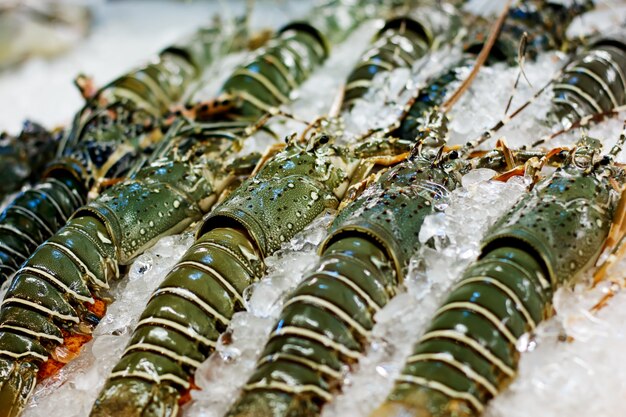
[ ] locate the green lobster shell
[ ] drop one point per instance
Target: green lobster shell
(286, 195)
(468, 353)
(402, 196)
(161, 200)
(568, 208)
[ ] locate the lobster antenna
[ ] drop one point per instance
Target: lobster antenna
(480, 60)
(521, 58)
(488, 134)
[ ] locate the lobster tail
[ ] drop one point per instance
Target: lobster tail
(275, 404)
(44, 305)
(469, 351)
(17, 381)
(34, 216)
(324, 325)
(593, 83)
(181, 324)
(468, 354)
(136, 398)
(268, 81)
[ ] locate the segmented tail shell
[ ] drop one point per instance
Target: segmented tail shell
(468, 354)
(268, 81)
(47, 299)
(182, 321)
(325, 325)
(34, 216)
(594, 82)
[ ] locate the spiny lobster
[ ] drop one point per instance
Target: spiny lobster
(286, 194)
(468, 354)
(73, 269)
(326, 322)
(106, 141)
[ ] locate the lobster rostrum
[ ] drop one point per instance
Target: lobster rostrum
(105, 142)
(56, 297)
(290, 190)
(468, 353)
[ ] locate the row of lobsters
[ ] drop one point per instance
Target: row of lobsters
(140, 162)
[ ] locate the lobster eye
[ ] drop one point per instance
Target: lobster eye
(324, 139)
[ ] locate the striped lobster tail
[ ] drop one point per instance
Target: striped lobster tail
(325, 325)
(594, 82)
(181, 324)
(399, 44)
(268, 81)
(44, 306)
(469, 354)
(34, 216)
